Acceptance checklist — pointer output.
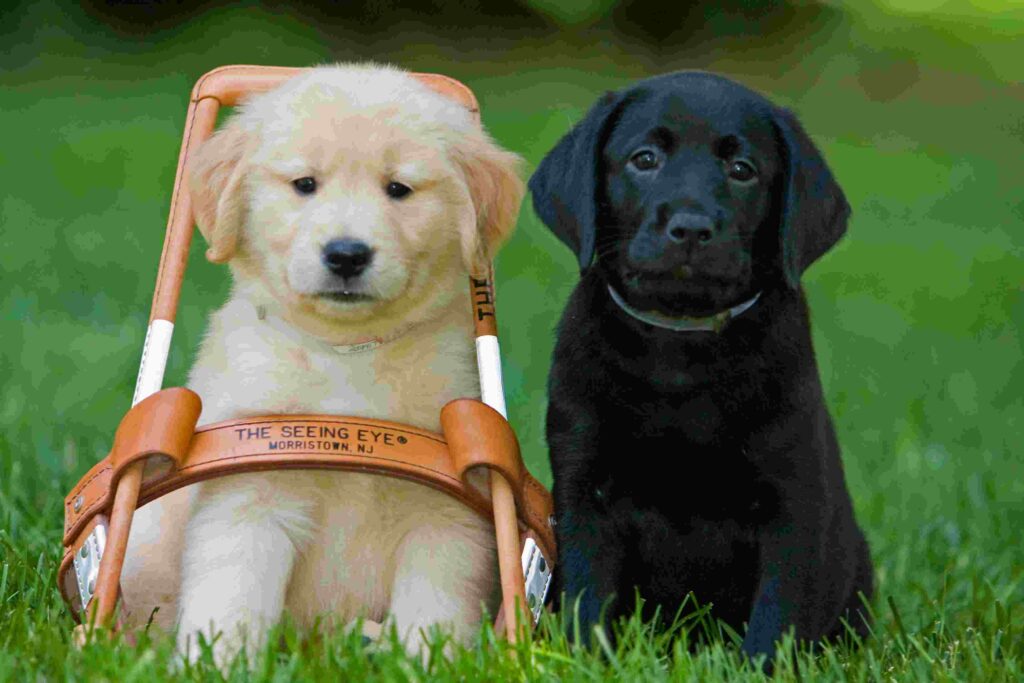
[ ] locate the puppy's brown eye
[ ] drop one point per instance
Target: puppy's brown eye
(305, 185)
(645, 160)
(397, 190)
(742, 171)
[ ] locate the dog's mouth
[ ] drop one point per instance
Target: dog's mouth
(639, 278)
(681, 279)
(347, 297)
(681, 291)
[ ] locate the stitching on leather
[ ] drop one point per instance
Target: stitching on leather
(536, 486)
(209, 463)
(202, 79)
(78, 491)
(174, 206)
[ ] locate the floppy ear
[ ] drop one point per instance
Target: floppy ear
(495, 189)
(565, 185)
(215, 174)
(814, 209)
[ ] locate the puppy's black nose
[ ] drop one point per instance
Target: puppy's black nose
(347, 257)
(694, 228)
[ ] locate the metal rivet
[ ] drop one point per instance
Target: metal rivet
(531, 600)
(542, 566)
(78, 503)
(84, 551)
(92, 586)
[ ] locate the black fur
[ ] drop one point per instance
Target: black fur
(697, 461)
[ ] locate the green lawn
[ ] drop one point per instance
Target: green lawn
(918, 313)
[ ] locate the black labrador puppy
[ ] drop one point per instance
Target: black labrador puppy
(690, 442)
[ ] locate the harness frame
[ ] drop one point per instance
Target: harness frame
(157, 437)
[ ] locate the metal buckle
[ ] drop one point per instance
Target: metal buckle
(87, 563)
(537, 575)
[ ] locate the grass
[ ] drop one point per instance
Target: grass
(917, 314)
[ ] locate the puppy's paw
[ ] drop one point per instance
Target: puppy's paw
(371, 631)
(195, 646)
(760, 650)
(760, 661)
(429, 642)
(221, 648)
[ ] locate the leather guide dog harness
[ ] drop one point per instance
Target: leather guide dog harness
(158, 449)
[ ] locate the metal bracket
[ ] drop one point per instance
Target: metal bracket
(87, 563)
(537, 575)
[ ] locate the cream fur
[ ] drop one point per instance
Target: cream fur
(232, 554)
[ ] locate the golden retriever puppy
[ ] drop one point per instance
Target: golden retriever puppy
(351, 203)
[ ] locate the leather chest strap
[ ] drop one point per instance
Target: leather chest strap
(161, 431)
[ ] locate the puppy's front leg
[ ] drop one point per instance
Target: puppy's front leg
(590, 566)
(240, 546)
(446, 572)
(791, 560)
(590, 548)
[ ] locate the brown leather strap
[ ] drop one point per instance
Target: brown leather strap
(157, 429)
(230, 84)
(478, 436)
(199, 122)
(484, 320)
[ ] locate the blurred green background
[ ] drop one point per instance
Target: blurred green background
(918, 107)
